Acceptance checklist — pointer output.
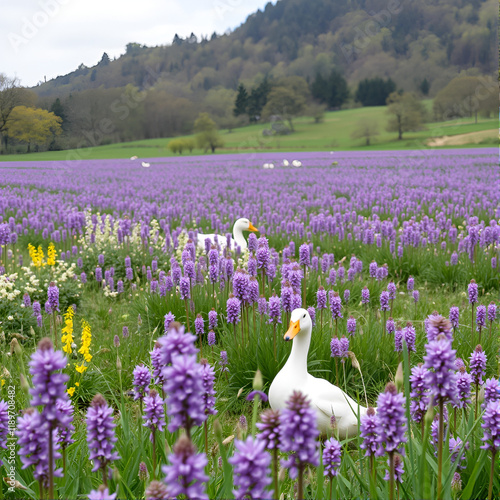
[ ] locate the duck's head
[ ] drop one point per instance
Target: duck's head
(244, 224)
(299, 321)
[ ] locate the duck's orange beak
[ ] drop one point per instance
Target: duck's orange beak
(251, 227)
(293, 329)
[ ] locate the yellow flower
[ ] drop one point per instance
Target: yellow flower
(51, 255)
(77, 384)
(86, 340)
(67, 338)
(2, 382)
(80, 368)
(71, 391)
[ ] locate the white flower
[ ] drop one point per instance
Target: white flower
(10, 318)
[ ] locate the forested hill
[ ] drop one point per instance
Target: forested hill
(406, 40)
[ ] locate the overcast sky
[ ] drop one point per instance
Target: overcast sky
(49, 38)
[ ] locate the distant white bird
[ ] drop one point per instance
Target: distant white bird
(286, 163)
(134, 157)
(145, 164)
(240, 225)
(271, 165)
(266, 166)
(296, 163)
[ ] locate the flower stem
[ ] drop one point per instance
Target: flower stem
(391, 475)
(300, 484)
(440, 450)
(187, 314)
(275, 473)
(153, 439)
(51, 463)
(492, 471)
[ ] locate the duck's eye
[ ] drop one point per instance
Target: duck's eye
(304, 316)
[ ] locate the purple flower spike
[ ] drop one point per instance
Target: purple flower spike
(208, 380)
(321, 298)
(186, 474)
(142, 379)
(53, 296)
(177, 341)
(270, 428)
(4, 425)
(102, 493)
(365, 296)
(233, 310)
(157, 491)
(491, 426)
(391, 421)
(419, 394)
(251, 464)
(335, 304)
(436, 325)
(184, 389)
(454, 316)
(298, 433)
(351, 325)
(262, 396)
(154, 413)
(331, 457)
(384, 301)
(477, 365)
(368, 427)
(100, 433)
(440, 364)
(491, 390)
(464, 381)
(480, 317)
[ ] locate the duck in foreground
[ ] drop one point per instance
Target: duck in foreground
(327, 399)
(240, 225)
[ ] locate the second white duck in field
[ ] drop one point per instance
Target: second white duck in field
(327, 399)
(240, 225)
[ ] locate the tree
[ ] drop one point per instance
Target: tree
(58, 109)
(241, 102)
(406, 111)
(316, 111)
(332, 91)
(104, 60)
(257, 100)
(374, 91)
(207, 136)
(365, 130)
(286, 103)
(11, 95)
(424, 87)
(466, 96)
(33, 125)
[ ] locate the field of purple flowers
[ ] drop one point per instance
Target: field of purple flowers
(137, 357)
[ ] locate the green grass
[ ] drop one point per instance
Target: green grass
(334, 133)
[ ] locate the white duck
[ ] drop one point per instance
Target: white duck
(240, 225)
(327, 399)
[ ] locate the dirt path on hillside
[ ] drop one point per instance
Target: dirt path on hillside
(461, 139)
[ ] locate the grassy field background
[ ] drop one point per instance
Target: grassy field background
(333, 133)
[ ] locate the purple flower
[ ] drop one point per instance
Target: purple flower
(440, 364)
(312, 313)
(410, 284)
(416, 296)
(129, 273)
(211, 338)
(4, 425)
(156, 363)
(212, 319)
(154, 413)
(464, 381)
(409, 337)
(49, 385)
(208, 381)
(142, 379)
(390, 327)
(347, 295)
(472, 289)
(419, 394)
(365, 296)
(304, 255)
(398, 340)
(184, 288)
(100, 433)
(332, 278)
(351, 325)
(37, 308)
(53, 296)
(177, 341)
(98, 274)
(437, 325)
(384, 301)
(391, 421)
(331, 457)
(368, 428)
(251, 464)
(169, 317)
(491, 390)
(199, 325)
(233, 309)
(26, 300)
(372, 269)
(335, 304)
(186, 473)
(321, 298)
(269, 428)
(32, 431)
(262, 305)
(391, 289)
(454, 316)
(491, 426)
(125, 332)
(477, 365)
(398, 469)
(480, 317)
(240, 285)
(223, 361)
(184, 389)
(298, 433)
(102, 493)
(492, 312)
(275, 308)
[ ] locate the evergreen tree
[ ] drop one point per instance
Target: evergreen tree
(374, 91)
(332, 91)
(319, 88)
(104, 60)
(424, 87)
(258, 99)
(241, 102)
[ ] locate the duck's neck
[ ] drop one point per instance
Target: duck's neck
(239, 238)
(300, 349)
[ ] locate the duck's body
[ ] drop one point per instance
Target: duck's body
(238, 239)
(327, 399)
